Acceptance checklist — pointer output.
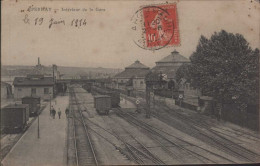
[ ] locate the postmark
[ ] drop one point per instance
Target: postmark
(156, 26)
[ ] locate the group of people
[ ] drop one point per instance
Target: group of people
(53, 112)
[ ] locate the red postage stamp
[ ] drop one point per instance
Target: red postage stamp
(159, 26)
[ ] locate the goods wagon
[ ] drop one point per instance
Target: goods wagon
(34, 104)
(102, 103)
(115, 96)
(14, 117)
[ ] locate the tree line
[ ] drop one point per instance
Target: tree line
(224, 67)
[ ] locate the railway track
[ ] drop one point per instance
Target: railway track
(207, 135)
(160, 138)
(133, 149)
(197, 129)
(84, 150)
(137, 150)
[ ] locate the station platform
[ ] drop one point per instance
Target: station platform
(49, 149)
(124, 103)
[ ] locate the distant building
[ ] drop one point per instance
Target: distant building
(51, 71)
(33, 85)
(169, 65)
(56, 73)
(6, 90)
(132, 77)
(39, 69)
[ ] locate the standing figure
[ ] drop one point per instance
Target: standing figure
(53, 113)
(67, 112)
(51, 110)
(59, 113)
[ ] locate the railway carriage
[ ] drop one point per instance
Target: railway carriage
(115, 96)
(34, 104)
(14, 118)
(102, 104)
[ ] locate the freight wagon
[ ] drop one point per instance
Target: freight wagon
(115, 96)
(34, 104)
(14, 118)
(102, 103)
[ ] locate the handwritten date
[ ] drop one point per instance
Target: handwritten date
(40, 21)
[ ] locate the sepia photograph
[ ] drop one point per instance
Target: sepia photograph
(127, 82)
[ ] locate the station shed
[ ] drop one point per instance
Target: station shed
(34, 85)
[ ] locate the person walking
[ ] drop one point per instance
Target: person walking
(59, 113)
(67, 112)
(53, 113)
(51, 110)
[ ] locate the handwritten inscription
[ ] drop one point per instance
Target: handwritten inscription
(41, 21)
(33, 8)
(37, 16)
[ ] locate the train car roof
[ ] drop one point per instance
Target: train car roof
(101, 96)
(16, 106)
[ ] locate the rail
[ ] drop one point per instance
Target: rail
(83, 156)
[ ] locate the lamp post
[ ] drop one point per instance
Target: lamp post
(50, 101)
(38, 131)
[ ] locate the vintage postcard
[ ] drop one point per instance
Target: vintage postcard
(127, 82)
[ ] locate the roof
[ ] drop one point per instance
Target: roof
(137, 65)
(31, 97)
(16, 106)
(104, 80)
(137, 69)
(102, 96)
(174, 57)
(26, 81)
(4, 84)
(130, 73)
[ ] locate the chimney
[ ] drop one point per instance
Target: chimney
(38, 60)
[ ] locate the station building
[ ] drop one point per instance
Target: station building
(34, 85)
(169, 65)
(133, 77)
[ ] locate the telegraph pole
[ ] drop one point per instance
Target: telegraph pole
(148, 111)
(38, 125)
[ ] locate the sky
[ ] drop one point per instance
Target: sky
(107, 39)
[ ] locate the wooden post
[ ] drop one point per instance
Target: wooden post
(39, 125)
(148, 111)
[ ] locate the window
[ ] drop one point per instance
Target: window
(46, 90)
(141, 82)
(33, 91)
(19, 89)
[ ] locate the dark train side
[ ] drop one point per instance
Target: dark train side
(34, 104)
(115, 96)
(14, 118)
(102, 103)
